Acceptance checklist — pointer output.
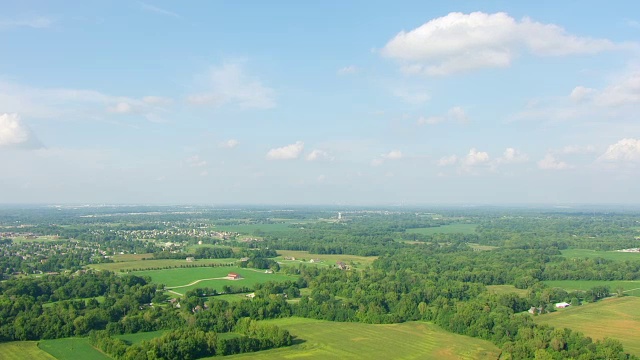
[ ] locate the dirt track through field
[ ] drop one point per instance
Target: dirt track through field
(197, 281)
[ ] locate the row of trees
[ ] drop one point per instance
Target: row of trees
(192, 343)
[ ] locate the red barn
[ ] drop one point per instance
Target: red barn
(234, 276)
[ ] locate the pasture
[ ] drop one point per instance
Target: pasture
(135, 265)
(631, 287)
(617, 318)
(182, 280)
(140, 337)
(21, 350)
(45, 238)
(609, 255)
(325, 259)
(413, 340)
(252, 229)
(445, 229)
(72, 348)
(505, 289)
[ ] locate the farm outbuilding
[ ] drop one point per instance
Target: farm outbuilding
(562, 305)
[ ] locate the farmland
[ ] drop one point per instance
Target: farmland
(20, 350)
(160, 263)
(617, 318)
(252, 229)
(412, 340)
(140, 337)
(72, 348)
(505, 289)
(631, 287)
(209, 277)
(445, 229)
(326, 259)
(609, 255)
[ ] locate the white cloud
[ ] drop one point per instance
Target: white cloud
(475, 157)
(157, 100)
(392, 155)
(317, 155)
(625, 150)
(448, 160)
(417, 97)
(549, 162)
(625, 91)
(348, 70)
(14, 133)
(38, 22)
(288, 152)
(67, 104)
(618, 101)
(576, 150)
(580, 93)
(121, 108)
(460, 42)
(512, 156)
(196, 161)
(229, 84)
(158, 10)
(229, 144)
(455, 114)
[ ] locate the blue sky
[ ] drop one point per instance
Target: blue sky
(361, 102)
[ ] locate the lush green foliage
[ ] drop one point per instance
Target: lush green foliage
(422, 272)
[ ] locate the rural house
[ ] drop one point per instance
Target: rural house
(562, 305)
(234, 276)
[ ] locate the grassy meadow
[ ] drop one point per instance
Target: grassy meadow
(631, 287)
(23, 350)
(617, 318)
(150, 264)
(178, 278)
(251, 229)
(609, 255)
(445, 229)
(72, 348)
(413, 340)
(325, 259)
(45, 238)
(505, 289)
(140, 337)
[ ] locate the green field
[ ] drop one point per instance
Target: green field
(610, 255)
(23, 350)
(72, 348)
(173, 278)
(150, 264)
(412, 340)
(616, 318)
(445, 229)
(231, 297)
(22, 239)
(326, 259)
(251, 229)
(505, 289)
(481, 247)
(631, 288)
(140, 337)
(100, 299)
